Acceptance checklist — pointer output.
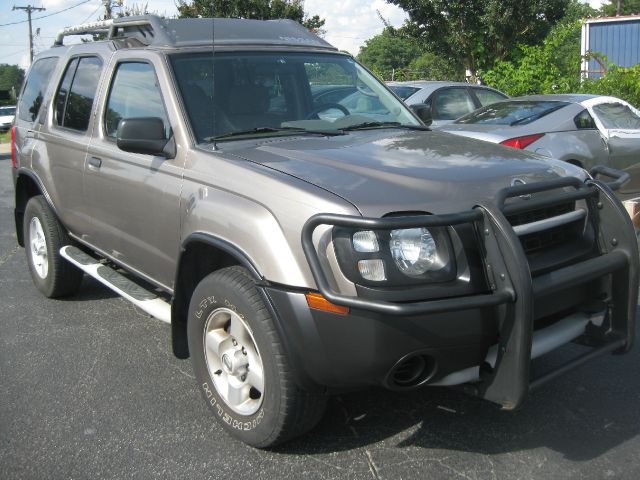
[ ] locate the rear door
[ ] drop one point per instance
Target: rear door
(59, 155)
(32, 97)
(134, 199)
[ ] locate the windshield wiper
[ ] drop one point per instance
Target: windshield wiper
(261, 130)
(365, 125)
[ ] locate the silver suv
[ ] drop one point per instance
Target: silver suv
(299, 248)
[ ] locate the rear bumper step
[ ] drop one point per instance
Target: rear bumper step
(147, 301)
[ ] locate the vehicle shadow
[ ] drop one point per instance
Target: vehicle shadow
(581, 415)
(91, 289)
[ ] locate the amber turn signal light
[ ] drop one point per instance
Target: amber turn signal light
(318, 302)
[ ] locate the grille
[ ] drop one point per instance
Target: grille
(540, 214)
(549, 238)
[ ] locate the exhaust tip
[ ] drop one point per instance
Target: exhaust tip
(411, 371)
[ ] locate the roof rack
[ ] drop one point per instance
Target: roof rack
(156, 31)
(111, 27)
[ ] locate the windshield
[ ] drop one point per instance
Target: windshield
(256, 94)
(511, 113)
(7, 111)
(402, 91)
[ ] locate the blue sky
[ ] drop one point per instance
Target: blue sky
(348, 22)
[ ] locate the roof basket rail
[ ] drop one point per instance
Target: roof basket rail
(113, 28)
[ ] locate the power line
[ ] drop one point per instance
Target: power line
(48, 15)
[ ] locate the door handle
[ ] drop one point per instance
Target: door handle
(95, 163)
(30, 134)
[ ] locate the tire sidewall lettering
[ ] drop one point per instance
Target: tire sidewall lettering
(228, 416)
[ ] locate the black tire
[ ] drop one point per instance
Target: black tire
(60, 278)
(285, 411)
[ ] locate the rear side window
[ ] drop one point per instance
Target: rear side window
(134, 93)
(77, 90)
(35, 88)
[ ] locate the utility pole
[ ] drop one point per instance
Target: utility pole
(109, 5)
(107, 9)
(30, 9)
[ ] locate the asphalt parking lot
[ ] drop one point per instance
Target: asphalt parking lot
(90, 389)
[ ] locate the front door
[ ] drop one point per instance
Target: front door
(134, 199)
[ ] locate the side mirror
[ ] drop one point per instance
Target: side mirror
(423, 112)
(144, 135)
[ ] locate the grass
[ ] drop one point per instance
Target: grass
(5, 137)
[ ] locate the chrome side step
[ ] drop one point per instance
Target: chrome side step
(143, 299)
(544, 341)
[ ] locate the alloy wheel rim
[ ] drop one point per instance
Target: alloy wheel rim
(233, 361)
(38, 245)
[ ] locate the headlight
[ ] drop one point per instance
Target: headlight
(414, 251)
(408, 257)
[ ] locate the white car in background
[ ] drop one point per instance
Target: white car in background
(7, 115)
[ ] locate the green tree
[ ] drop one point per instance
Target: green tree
(627, 7)
(480, 32)
(11, 78)
(391, 50)
(430, 66)
(256, 9)
(551, 67)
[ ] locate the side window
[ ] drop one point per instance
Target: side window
(35, 88)
(77, 90)
(134, 93)
(487, 97)
(452, 103)
(584, 121)
(617, 115)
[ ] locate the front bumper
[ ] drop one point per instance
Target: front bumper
(359, 349)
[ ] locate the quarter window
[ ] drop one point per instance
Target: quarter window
(35, 88)
(584, 121)
(76, 93)
(134, 93)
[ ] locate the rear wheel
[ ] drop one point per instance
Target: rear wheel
(240, 365)
(44, 237)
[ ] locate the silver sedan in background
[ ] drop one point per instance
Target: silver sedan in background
(441, 102)
(585, 130)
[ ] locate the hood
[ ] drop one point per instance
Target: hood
(385, 171)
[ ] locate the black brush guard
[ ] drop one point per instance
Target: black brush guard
(510, 281)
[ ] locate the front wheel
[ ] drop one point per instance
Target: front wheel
(240, 365)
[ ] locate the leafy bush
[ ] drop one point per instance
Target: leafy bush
(617, 82)
(551, 67)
